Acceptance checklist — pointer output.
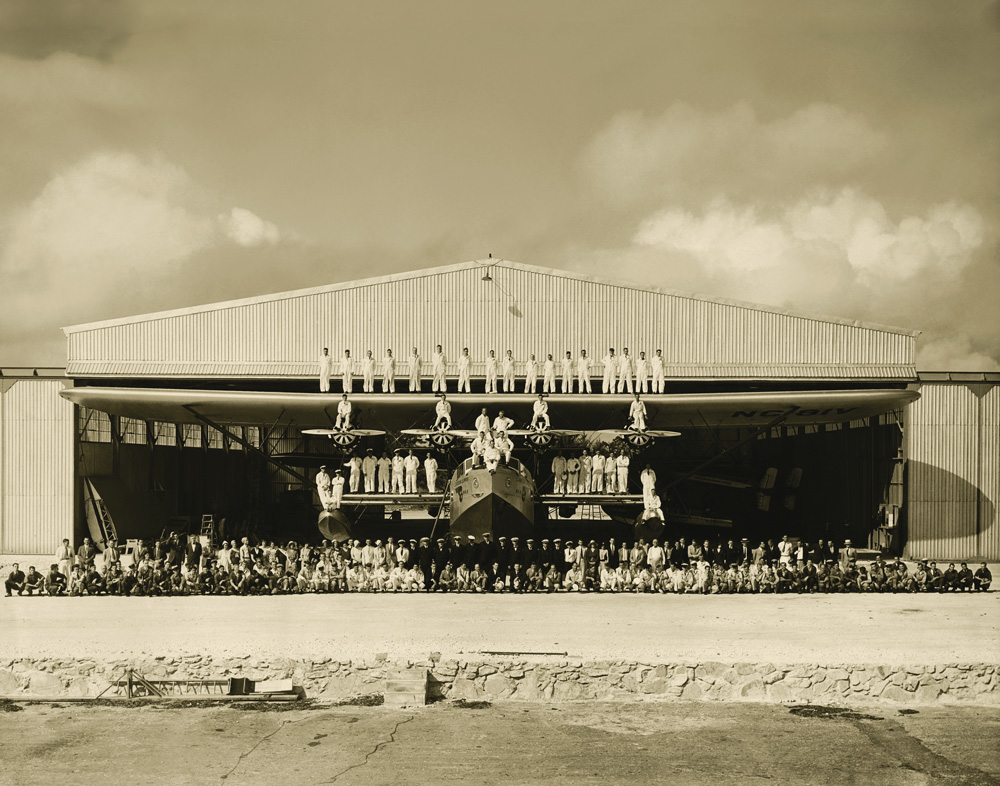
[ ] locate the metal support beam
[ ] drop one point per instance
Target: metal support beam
(249, 446)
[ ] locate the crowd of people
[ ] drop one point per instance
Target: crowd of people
(620, 372)
(178, 566)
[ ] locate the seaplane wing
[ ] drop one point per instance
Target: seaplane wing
(398, 410)
(343, 437)
(633, 437)
(441, 438)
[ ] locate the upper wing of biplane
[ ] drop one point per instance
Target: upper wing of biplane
(639, 439)
(343, 437)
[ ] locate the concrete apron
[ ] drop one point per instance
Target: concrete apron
(543, 679)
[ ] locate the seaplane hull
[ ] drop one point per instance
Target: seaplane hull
(501, 503)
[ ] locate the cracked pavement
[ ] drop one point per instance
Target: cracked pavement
(570, 743)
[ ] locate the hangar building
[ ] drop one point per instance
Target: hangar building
(922, 480)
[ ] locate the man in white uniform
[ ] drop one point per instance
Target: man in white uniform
(559, 473)
(597, 473)
(483, 421)
(491, 456)
(657, 367)
(369, 466)
(346, 371)
(438, 365)
(368, 372)
(414, 366)
(637, 414)
(384, 474)
(64, 557)
(431, 470)
(491, 373)
(343, 414)
(530, 374)
(354, 462)
(586, 468)
(642, 374)
(508, 372)
(549, 375)
(624, 372)
(337, 490)
(610, 369)
(478, 448)
(540, 414)
(502, 423)
(411, 465)
(573, 474)
(464, 371)
(398, 471)
(325, 370)
(388, 372)
(583, 372)
(610, 473)
(504, 445)
(442, 411)
(567, 374)
(621, 464)
(648, 479)
(653, 509)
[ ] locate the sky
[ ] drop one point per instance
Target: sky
(837, 158)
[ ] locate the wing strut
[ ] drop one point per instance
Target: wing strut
(753, 435)
(247, 445)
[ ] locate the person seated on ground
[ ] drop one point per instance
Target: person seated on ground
(864, 580)
(949, 578)
(982, 578)
(463, 578)
(540, 414)
(446, 580)
(241, 582)
(574, 581)
(533, 578)
(963, 578)
(177, 582)
(34, 581)
(55, 582)
(15, 581)
(935, 579)
(552, 581)
(477, 579)
(93, 581)
(808, 578)
(517, 578)
(397, 577)
(499, 578)
(204, 583)
(414, 580)
(319, 582)
(788, 580)
(130, 580)
(608, 581)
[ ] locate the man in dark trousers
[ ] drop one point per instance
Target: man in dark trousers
(982, 578)
(15, 581)
(85, 554)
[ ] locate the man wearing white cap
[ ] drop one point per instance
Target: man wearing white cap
(324, 485)
(337, 490)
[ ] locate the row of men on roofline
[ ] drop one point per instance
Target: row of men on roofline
(623, 373)
(178, 566)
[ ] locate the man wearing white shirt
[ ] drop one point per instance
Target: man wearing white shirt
(583, 372)
(540, 413)
(502, 423)
(549, 375)
(325, 370)
(438, 365)
(573, 474)
(369, 465)
(657, 367)
(530, 374)
(414, 367)
(346, 371)
(559, 473)
(624, 384)
(648, 479)
(430, 470)
(491, 372)
(642, 374)
(586, 469)
(504, 445)
(637, 414)
(384, 467)
(337, 490)
(411, 465)
(621, 465)
(464, 371)
(368, 372)
(478, 448)
(324, 485)
(483, 421)
(610, 474)
(354, 462)
(597, 473)
(388, 372)
(398, 472)
(610, 369)
(442, 412)
(508, 372)
(567, 374)
(343, 414)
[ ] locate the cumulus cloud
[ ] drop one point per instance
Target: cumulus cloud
(109, 231)
(692, 153)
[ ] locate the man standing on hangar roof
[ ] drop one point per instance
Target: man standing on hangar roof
(325, 370)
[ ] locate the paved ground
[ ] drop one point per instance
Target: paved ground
(578, 744)
(822, 629)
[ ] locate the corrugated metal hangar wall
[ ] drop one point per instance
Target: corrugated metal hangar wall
(505, 306)
(37, 466)
(953, 449)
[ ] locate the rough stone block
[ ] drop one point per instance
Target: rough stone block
(9, 683)
(778, 692)
(753, 690)
(463, 688)
(655, 686)
(679, 680)
(498, 686)
(896, 693)
(745, 669)
(692, 691)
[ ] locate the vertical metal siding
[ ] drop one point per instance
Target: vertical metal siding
(954, 466)
(522, 309)
(36, 468)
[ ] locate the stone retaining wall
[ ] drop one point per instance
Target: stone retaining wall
(538, 679)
